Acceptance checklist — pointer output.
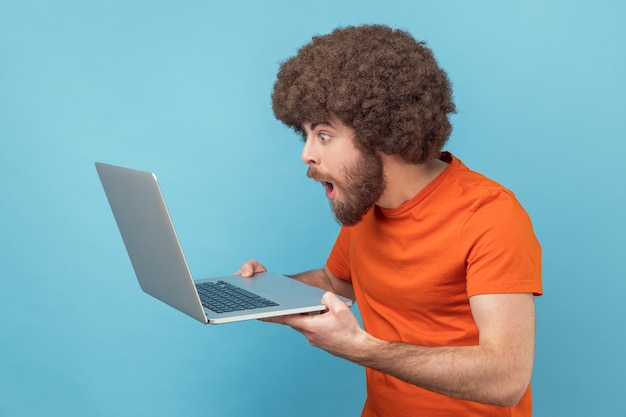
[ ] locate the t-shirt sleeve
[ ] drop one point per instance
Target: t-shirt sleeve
(501, 251)
(338, 261)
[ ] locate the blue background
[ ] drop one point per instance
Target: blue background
(183, 89)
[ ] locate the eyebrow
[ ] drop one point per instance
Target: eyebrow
(316, 124)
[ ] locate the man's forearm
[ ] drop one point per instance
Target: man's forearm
(495, 371)
(314, 277)
(322, 278)
(474, 373)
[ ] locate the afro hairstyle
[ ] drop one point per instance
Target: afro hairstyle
(379, 81)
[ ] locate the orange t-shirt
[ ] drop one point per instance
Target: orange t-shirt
(414, 268)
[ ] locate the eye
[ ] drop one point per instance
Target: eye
(324, 137)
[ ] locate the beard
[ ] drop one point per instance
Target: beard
(363, 185)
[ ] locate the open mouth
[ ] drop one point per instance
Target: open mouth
(328, 186)
(330, 189)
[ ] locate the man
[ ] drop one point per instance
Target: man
(442, 261)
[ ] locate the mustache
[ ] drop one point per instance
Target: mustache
(314, 174)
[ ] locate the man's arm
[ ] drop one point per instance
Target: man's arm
(326, 280)
(496, 371)
(321, 278)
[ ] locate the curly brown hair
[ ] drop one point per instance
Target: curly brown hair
(379, 81)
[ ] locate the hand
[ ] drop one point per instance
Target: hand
(249, 268)
(337, 330)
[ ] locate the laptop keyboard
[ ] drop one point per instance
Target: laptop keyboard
(223, 297)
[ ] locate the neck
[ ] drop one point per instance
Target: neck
(406, 180)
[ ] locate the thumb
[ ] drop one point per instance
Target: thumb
(249, 268)
(330, 300)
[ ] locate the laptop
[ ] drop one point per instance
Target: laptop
(157, 257)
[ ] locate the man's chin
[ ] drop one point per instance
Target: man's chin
(346, 216)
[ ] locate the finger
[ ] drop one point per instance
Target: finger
(303, 320)
(275, 319)
(250, 268)
(296, 321)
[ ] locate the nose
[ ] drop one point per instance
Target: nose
(310, 155)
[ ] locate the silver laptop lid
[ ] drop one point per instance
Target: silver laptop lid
(150, 238)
